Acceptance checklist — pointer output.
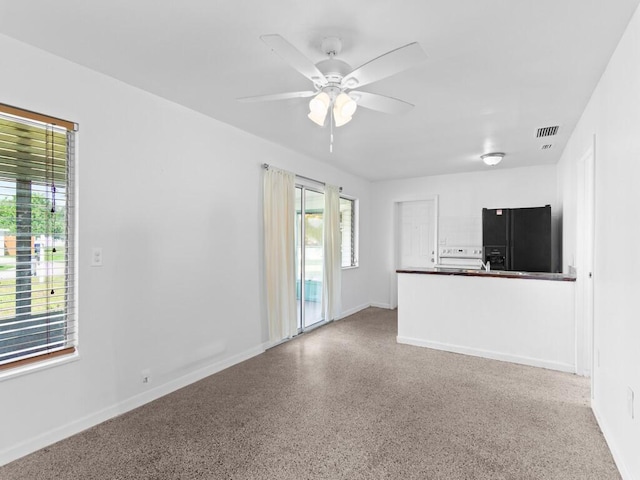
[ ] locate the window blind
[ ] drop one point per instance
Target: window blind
(37, 313)
(347, 227)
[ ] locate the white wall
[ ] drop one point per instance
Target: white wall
(613, 116)
(461, 198)
(523, 330)
(174, 199)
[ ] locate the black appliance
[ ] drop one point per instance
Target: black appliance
(517, 239)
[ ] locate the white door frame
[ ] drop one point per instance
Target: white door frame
(585, 249)
(304, 187)
(393, 281)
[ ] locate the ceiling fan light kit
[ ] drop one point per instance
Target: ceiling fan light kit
(318, 107)
(334, 79)
(343, 108)
(339, 120)
(492, 159)
(317, 117)
(320, 103)
(344, 105)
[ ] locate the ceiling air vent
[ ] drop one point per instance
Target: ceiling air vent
(546, 147)
(547, 131)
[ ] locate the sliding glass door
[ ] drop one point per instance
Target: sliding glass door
(309, 255)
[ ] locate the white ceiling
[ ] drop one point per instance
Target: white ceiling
(496, 70)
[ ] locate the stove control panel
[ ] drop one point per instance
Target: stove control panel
(461, 252)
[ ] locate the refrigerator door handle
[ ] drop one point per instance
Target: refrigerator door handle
(510, 243)
(511, 259)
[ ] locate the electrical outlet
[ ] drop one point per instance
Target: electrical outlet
(96, 257)
(146, 376)
(630, 401)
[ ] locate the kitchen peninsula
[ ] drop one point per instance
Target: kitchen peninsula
(520, 317)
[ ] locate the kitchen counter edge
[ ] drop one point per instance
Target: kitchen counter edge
(562, 277)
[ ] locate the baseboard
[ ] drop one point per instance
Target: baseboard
(613, 447)
(381, 305)
(77, 426)
(359, 308)
(533, 362)
(351, 311)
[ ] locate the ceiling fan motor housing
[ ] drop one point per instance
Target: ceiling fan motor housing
(334, 70)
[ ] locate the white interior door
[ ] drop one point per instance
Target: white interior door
(417, 241)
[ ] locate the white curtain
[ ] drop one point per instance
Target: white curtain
(279, 238)
(332, 288)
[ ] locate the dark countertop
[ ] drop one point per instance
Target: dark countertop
(492, 273)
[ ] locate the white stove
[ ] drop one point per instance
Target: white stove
(469, 257)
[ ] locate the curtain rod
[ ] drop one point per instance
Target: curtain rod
(266, 167)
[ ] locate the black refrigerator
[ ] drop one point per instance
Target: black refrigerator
(517, 239)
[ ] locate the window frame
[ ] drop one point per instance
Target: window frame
(68, 350)
(355, 229)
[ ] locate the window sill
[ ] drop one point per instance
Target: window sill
(352, 267)
(11, 373)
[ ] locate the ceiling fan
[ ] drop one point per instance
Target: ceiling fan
(334, 80)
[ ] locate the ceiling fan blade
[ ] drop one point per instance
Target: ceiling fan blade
(385, 65)
(277, 96)
(295, 58)
(380, 103)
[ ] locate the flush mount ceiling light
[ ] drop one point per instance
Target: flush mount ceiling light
(492, 159)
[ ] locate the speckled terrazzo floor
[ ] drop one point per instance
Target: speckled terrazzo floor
(347, 402)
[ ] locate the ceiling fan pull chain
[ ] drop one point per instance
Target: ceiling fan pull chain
(331, 135)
